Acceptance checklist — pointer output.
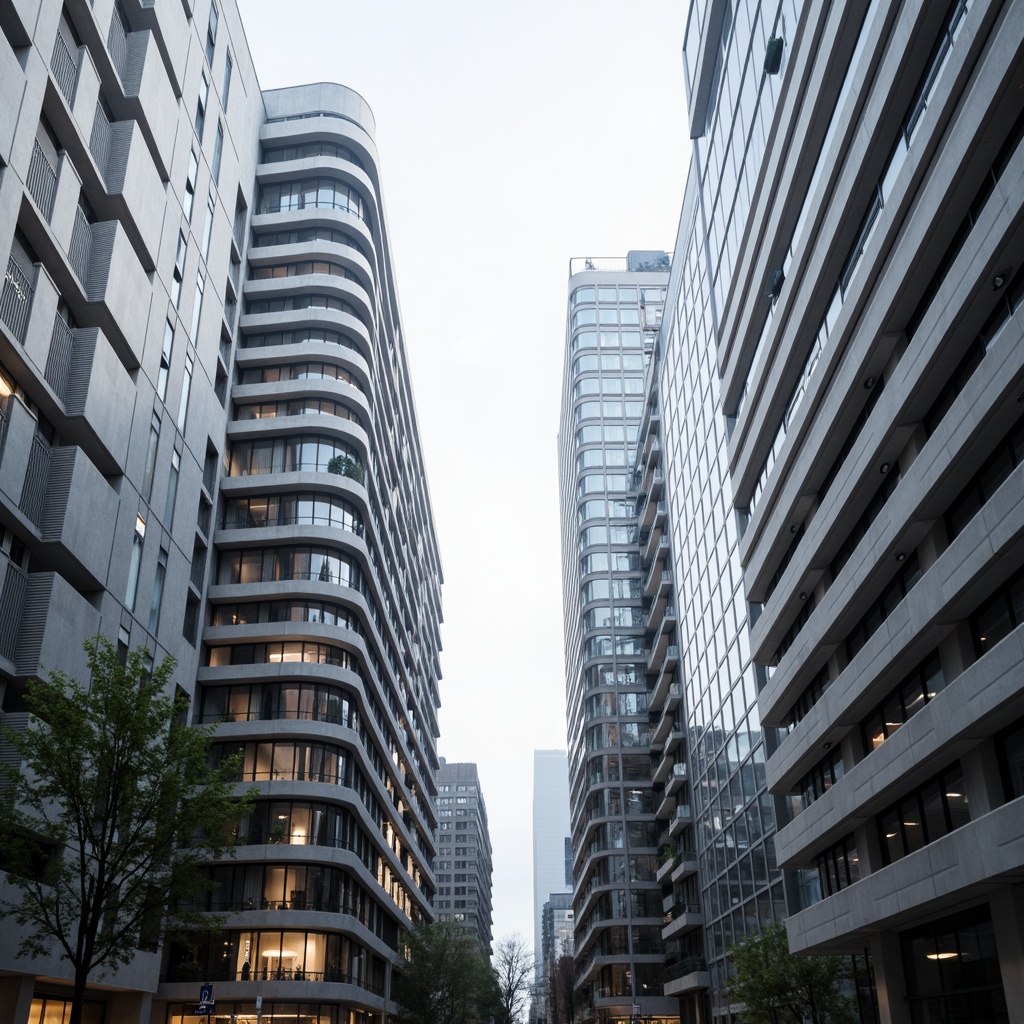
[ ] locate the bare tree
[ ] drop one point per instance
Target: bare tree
(513, 968)
(562, 991)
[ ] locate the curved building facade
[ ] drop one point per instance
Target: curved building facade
(208, 448)
(321, 642)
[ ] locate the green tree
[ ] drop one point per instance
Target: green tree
(513, 970)
(443, 979)
(776, 987)
(111, 814)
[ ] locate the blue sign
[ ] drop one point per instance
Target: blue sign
(206, 1003)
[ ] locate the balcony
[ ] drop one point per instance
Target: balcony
(682, 918)
(689, 975)
(650, 546)
(58, 358)
(54, 619)
(13, 592)
(678, 776)
(660, 733)
(15, 299)
(114, 283)
(130, 178)
(657, 582)
(42, 181)
(82, 371)
(666, 808)
(663, 653)
(146, 85)
(80, 247)
(659, 693)
(684, 865)
(64, 67)
(37, 475)
(682, 818)
(12, 74)
(77, 520)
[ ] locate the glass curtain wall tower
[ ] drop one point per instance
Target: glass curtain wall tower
(839, 384)
(614, 306)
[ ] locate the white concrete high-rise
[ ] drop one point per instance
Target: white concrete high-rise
(208, 448)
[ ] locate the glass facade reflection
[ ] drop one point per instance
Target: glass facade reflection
(615, 838)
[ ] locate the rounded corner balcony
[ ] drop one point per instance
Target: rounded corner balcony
(319, 99)
(316, 282)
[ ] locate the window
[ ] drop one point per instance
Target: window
(158, 590)
(211, 205)
(822, 777)
(1002, 613)
(154, 439)
(1010, 748)
(123, 640)
(135, 563)
(211, 34)
(225, 86)
(179, 268)
(952, 969)
(277, 154)
(320, 193)
(172, 488)
(218, 152)
(190, 186)
(921, 817)
(165, 360)
(186, 386)
(919, 687)
(204, 95)
(301, 269)
(197, 305)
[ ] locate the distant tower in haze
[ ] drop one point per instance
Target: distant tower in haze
(463, 864)
(551, 868)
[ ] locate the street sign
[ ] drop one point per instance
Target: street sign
(206, 1001)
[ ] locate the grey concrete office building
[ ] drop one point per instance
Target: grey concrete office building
(613, 311)
(876, 447)
(839, 386)
(209, 448)
(463, 868)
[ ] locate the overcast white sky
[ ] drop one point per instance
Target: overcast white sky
(513, 135)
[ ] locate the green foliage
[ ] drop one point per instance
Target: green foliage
(776, 987)
(117, 788)
(346, 465)
(444, 979)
